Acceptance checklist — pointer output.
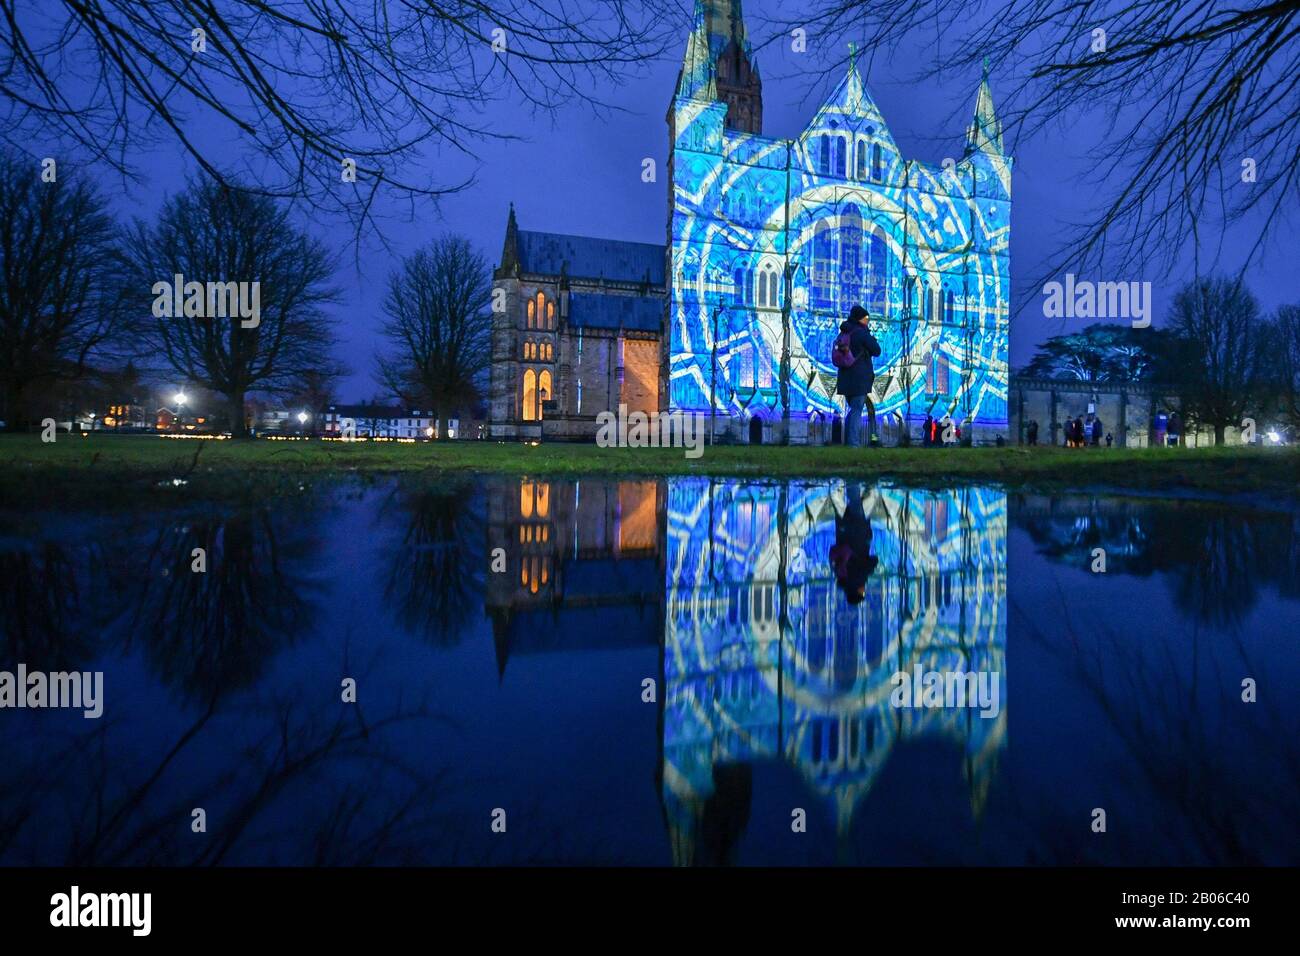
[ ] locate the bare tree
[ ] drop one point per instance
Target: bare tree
(212, 234)
(302, 88)
(1219, 320)
(1200, 102)
(315, 388)
(438, 327)
(1284, 361)
(56, 242)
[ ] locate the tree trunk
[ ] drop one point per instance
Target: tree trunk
(1219, 429)
(238, 427)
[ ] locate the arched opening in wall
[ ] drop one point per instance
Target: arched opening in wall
(543, 390)
(756, 430)
(528, 409)
(850, 265)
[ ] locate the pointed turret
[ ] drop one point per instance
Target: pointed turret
(985, 131)
(719, 65)
(697, 80)
(510, 250)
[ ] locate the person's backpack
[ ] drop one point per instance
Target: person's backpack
(842, 351)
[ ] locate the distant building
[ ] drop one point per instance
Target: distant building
(380, 421)
(579, 332)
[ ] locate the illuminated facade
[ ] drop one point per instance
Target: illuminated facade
(764, 659)
(772, 241)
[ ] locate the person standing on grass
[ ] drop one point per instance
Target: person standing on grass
(852, 352)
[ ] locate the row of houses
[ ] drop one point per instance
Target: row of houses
(383, 421)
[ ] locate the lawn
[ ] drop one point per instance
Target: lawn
(102, 466)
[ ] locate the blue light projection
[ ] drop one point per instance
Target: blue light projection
(773, 240)
(764, 657)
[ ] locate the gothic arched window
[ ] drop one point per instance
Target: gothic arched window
(837, 155)
(877, 163)
(767, 286)
(824, 265)
(876, 275)
(850, 258)
(529, 408)
(824, 159)
(862, 160)
(532, 314)
(543, 390)
(948, 309)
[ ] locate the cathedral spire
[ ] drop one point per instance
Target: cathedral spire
(697, 79)
(719, 64)
(510, 249)
(985, 131)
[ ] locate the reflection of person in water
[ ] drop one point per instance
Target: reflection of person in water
(851, 556)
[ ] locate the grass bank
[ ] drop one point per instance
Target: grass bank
(108, 467)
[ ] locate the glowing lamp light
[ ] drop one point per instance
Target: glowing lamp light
(180, 398)
(429, 431)
(1274, 437)
(302, 418)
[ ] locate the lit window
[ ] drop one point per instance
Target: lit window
(543, 390)
(530, 396)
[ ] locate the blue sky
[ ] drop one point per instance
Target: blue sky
(579, 171)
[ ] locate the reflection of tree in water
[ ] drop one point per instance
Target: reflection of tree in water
(213, 632)
(436, 577)
(281, 784)
(52, 606)
(1216, 778)
(1217, 558)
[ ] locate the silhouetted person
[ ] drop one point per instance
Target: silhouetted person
(851, 556)
(927, 433)
(1031, 434)
(1096, 432)
(854, 348)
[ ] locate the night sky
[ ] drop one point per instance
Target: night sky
(579, 172)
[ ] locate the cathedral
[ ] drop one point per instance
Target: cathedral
(769, 243)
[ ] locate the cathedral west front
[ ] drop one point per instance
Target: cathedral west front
(769, 243)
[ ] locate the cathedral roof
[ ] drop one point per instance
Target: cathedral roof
(600, 310)
(584, 257)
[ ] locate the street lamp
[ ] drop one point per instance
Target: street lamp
(180, 398)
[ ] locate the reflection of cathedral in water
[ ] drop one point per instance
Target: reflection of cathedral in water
(582, 566)
(764, 659)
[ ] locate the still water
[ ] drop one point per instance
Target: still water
(692, 671)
